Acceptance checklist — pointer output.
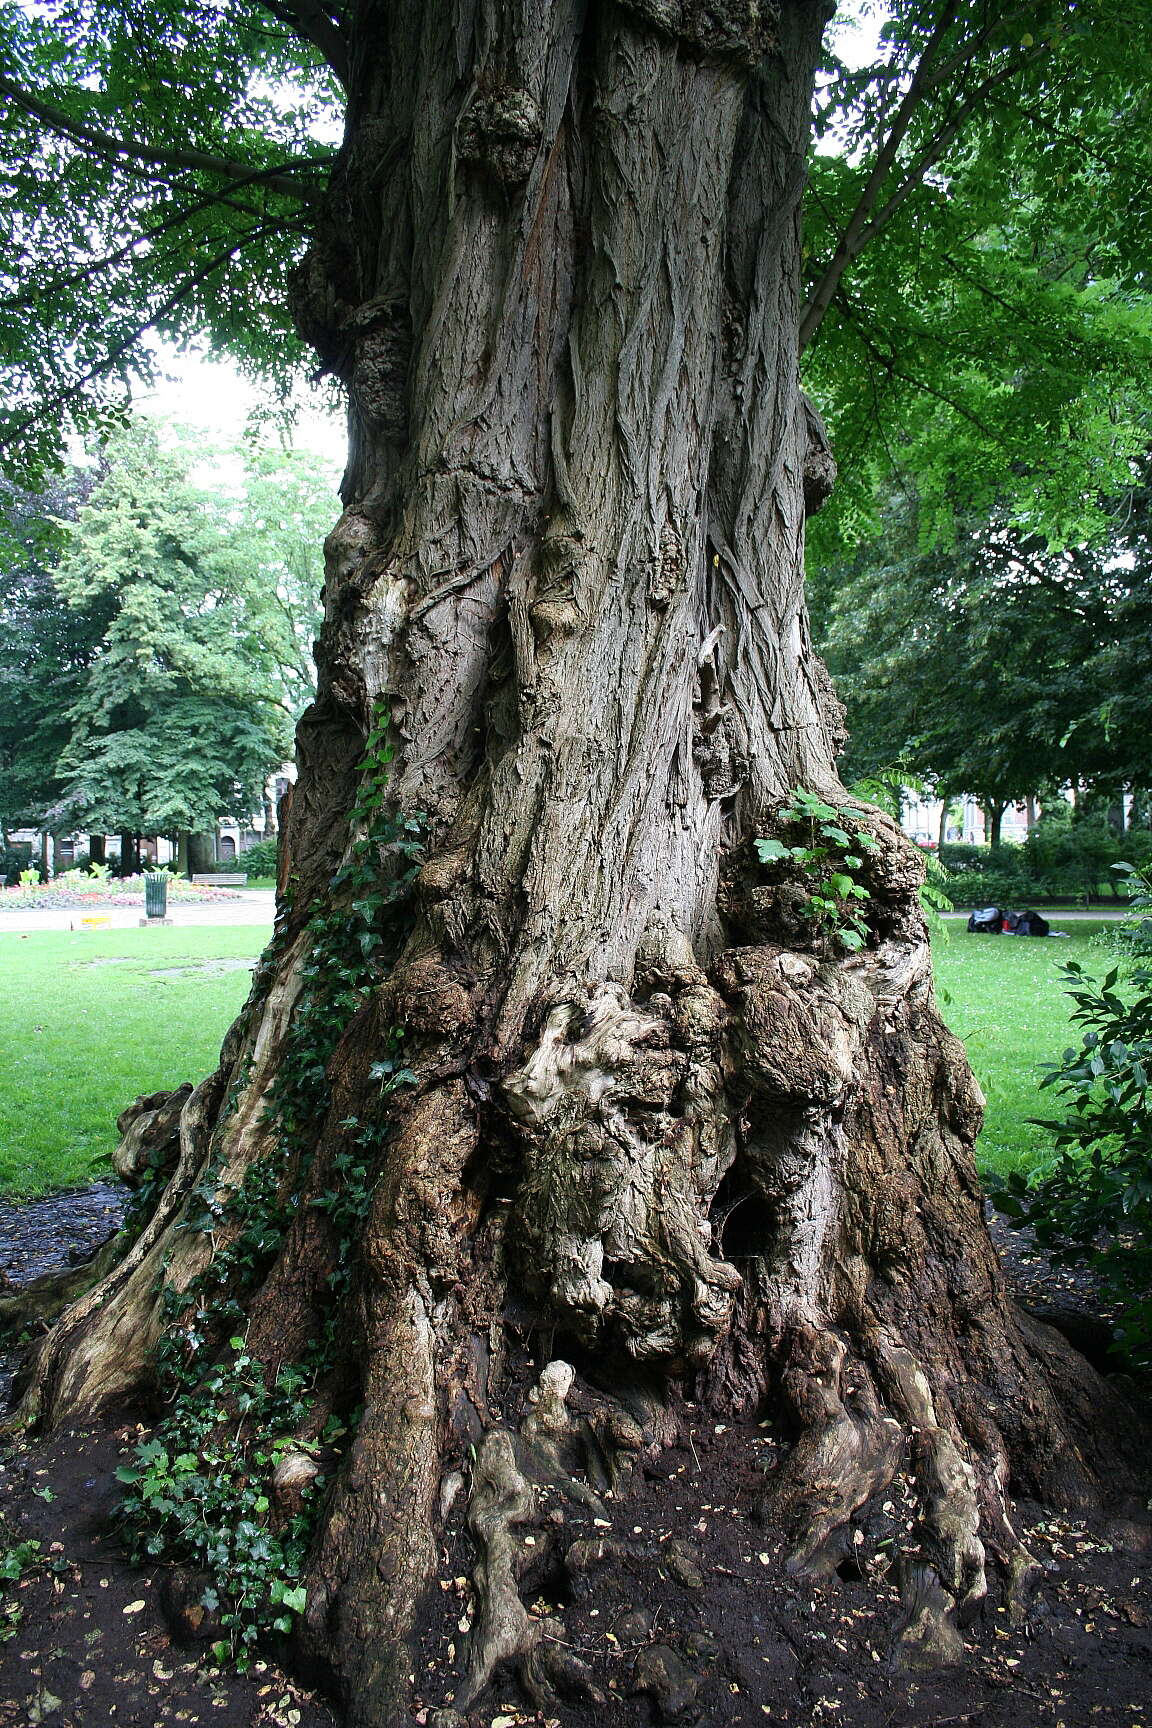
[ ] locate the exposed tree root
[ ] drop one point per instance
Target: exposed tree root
(841, 1460)
(501, 1500)
(627, 1132)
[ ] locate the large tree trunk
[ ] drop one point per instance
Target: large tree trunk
(201, 852)
(593, 1086)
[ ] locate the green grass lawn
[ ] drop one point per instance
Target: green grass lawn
(90, 1019)
(1009, 1007)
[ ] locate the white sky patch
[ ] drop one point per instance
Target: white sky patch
(205, 393)
(855, 32)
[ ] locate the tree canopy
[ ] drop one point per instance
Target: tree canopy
(975, 228)
(157, 163)
(992, 664)
(45, 648)
(995, 349)
(159, 642)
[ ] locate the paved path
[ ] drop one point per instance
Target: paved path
(1065, 914)
(258, 905)
(253, 906)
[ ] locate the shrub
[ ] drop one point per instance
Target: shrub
(1073, 857)
(260, 858)
(961, 858)
(991, 888)
(1133, 938)
(1092, 1201)
(13, 861)
(1061, 859)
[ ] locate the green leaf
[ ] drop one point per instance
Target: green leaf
(770, 851)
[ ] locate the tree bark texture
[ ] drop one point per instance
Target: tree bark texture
(657, 1134)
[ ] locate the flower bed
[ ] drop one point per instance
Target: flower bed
(75, 889)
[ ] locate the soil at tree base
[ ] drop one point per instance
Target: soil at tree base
(684, 1613)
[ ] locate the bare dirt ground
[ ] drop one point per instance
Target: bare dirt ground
(682, 1613)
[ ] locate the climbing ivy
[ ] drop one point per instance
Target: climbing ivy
(199, 1490)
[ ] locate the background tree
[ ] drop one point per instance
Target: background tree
(992, 665)
(277, 522)
(986, 353)
(559, 1095)
(173, 726)
(159, 647)
(45, 648)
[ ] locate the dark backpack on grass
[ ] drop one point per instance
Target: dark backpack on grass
(987, 921)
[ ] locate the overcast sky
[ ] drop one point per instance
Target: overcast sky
(209, 395)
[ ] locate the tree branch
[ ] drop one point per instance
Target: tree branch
(146, 236)
(316, 24)
(821, 297)
(933, 151)
(116, 149)
(117, 352)
(887, 362)
(866, 221)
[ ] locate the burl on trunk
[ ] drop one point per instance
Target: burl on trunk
(558, 1099)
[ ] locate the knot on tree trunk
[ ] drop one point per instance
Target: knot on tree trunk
(501, 131)
(149, 1135)
(728, 29)
(626, 1138)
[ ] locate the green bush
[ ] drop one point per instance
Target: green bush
(1132, 939)
(962, 859)
(1062, 859)
(991, 888)
(260, 858)
(1074, 857)
(13, 861)
(1092, 1201)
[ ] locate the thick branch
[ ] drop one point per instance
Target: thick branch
(866, 222)
(316, 25)
(116, 149)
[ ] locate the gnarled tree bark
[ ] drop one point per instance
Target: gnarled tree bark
(660, 1132)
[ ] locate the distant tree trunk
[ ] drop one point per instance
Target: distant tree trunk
(647, 1118)
(129, 852)
(201, 854)
(98, 848)
(994, 809)
(182, 853)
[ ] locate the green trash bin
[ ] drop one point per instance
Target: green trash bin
(156, 893)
